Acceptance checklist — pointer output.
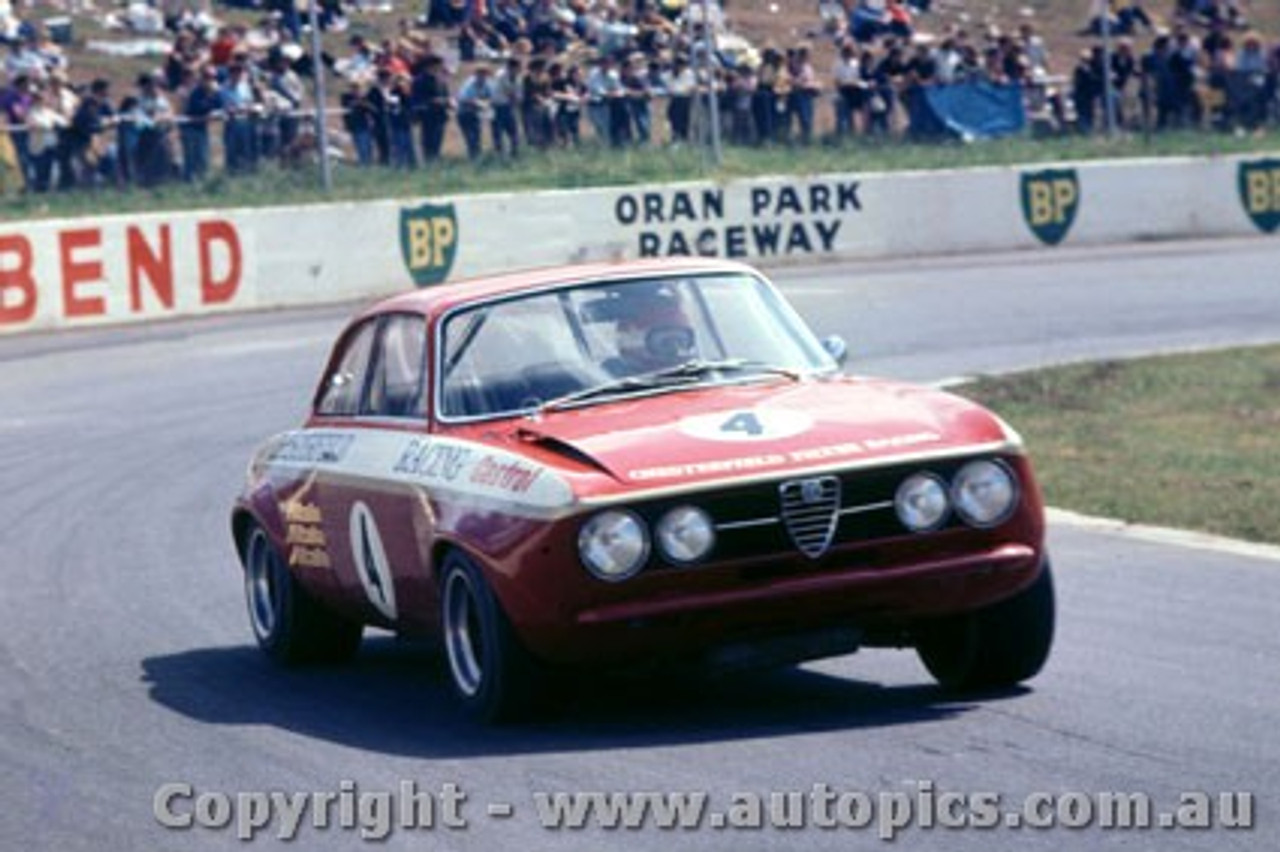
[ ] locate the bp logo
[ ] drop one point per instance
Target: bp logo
(1260, 193)
(1049, 203)
(429, 242)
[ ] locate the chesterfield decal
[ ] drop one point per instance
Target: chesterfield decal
(762, 221)
(1050, 200)
(429, 242)
(1260, 193)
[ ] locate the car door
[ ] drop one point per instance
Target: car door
(374, 393)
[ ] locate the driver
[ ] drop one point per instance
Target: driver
(653, 332)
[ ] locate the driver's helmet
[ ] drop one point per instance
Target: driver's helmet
(653, 330)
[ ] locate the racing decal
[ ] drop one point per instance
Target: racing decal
(371, 560)
(766, 220)
(311, 447)
(1259, 182)
(1050, 200)
(476, 472)
(304, 535)
(747, 425)
(764, 462)
(429, 242)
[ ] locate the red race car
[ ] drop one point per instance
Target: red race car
(635, 465)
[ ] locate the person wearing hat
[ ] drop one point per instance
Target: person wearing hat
(475, 104)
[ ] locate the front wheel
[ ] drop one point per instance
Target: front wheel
(290, 625)
(1001, 645)
(493, 675)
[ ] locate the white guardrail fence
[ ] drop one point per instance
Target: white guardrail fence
(71, 273)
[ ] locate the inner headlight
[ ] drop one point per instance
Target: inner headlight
(921, 502)
(613, 545)
(984, 493)
(685, 534)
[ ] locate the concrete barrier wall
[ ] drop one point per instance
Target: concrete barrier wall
(72, 273)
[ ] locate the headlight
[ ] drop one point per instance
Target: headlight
(921, 502)
(613, 545)
(685, 534)
(984, 493)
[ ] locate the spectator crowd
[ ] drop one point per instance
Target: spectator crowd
(509, 75)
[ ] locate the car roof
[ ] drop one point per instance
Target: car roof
(435, 300)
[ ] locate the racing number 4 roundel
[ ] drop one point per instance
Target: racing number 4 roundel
(746, 425)
(370, 559)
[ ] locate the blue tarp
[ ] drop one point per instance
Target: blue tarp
(977, 110)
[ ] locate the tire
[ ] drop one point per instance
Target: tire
(292, 627)
(1000, 646)
(494, 678)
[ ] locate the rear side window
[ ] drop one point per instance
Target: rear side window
(343, 387)
(396, 386)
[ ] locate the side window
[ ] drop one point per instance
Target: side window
(396, 388)
(343, 386)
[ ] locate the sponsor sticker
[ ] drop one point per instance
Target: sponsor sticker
(1259, 182)
(429, 242)
(1050, 200)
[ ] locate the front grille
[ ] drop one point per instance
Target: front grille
(810, 512)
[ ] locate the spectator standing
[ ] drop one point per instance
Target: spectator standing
(203, 102)
(241, 106)
(681, 87)
(379, 98)
(1158, 88)
(1086, 90)
(850, 95)
(764, 104)
(285, 84)
(635, 83)
(400, 123)
(357, 120)
(604, 88)
(475, 106)
(537, 106)
(15, 104)
(431, 102)
(508, 94)
(64, 100)
(742, 90)
(92, 155)
(43, 123)
(568, 91)
(153, 117)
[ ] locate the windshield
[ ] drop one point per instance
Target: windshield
(594, 342)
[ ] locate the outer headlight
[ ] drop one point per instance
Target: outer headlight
(985, 493)
(921, 502)
(685, 534)
(613, 545)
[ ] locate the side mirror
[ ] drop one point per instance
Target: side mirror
(836, 348)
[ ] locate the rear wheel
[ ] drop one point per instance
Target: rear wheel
(1001, 645)
(493, 676)
(290, 625)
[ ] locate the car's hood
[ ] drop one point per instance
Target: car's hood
(751, 430)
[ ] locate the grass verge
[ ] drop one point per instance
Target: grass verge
(1187, 441)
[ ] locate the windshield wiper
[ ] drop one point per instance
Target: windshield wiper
(686, 373)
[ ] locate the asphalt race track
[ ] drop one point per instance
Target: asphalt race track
(126, 660)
